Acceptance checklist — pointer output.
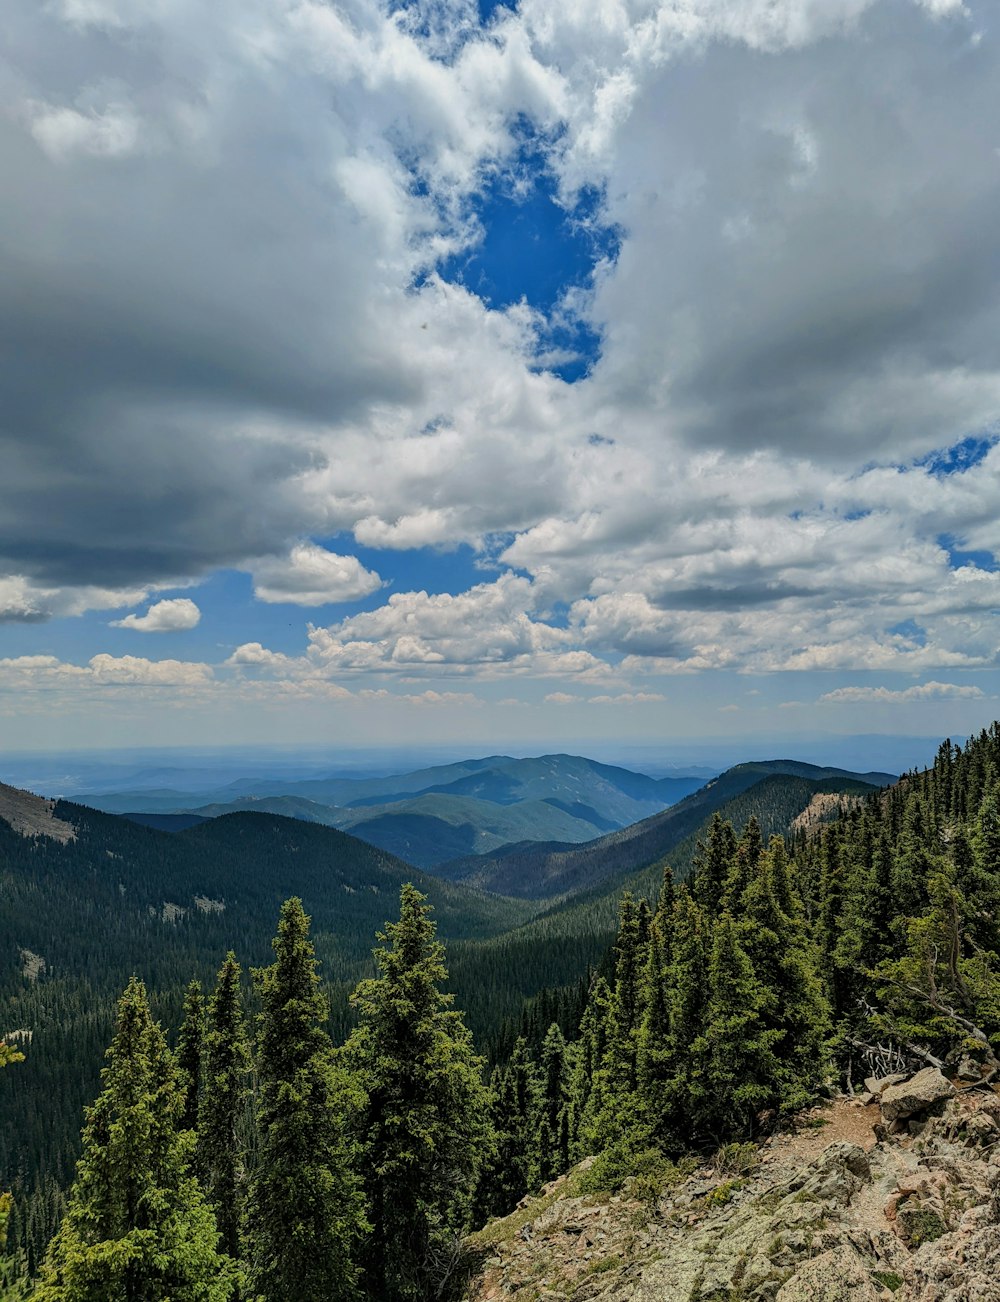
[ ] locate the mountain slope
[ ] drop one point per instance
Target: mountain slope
(539, 872)
(90, 898)
(608, 796)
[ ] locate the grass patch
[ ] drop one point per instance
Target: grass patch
(888, 1279)
(737, 1159)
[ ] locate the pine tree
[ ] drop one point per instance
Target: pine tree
(553, 1106)
(711, 864)
(137, 1227)
(687, 983)
(7, 1056)
(222, 1115)
(654, 1059)
(190, 1041)
(304, 1212)
(424, 1129)
(791, 996)
(739, 1074)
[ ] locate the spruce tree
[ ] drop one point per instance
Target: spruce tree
(424, 1129)
(739, 1074)
(137, 1227)
(711, 864)
(7, 1056)
(552, 1159)
(189, 1051)
(222, 1115)
(304, 1213)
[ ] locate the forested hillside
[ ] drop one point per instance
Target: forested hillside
(749, 971)
(110, 899)
(774, 972)
(539, 871)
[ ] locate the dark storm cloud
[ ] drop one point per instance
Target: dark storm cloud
(823, 233)
(183, 291)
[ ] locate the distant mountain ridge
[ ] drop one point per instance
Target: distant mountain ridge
(543, 871)
(444, 812)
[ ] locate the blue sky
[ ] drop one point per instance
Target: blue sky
(567, 375)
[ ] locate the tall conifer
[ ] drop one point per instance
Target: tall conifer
(424, 1129)
(304, 1207)
(137, 1227)
(222, 1115)
(190, 1042)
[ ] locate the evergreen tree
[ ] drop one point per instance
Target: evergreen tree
(588, 1085)
(137, 1227)
(222, 1115)
(711, 864)
(654, 1059)
(7, 1056)
(424, 1129)
(189, 1050)
(304, 1213)
(552, 1160)
(739, 1074)
(791, 999)
(687, 982)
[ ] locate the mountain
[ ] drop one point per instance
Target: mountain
(539, 872)
(90, 898)
(446, 812)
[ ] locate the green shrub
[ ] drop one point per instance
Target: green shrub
(737, 1159)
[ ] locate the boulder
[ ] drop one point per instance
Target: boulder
(839, 1275)
(968, 1069)
(876, 1084)
(918, 1094)
(834, 1177)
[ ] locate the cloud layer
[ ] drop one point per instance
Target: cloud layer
(233, 336)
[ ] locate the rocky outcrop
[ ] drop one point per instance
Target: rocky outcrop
(911, 1217)
(915, 1095)
(31, 815)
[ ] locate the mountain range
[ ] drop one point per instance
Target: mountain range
(441, 813)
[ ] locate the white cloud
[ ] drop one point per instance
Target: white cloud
(313, 576)
(113, 132)
(173, 615)
(884, 695)
(134, 671)
(22, 601)
(254, 655)
(628, 698)
(795, 317)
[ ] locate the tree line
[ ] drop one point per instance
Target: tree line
(258, 1161)
(261, 1162)
(771, 974)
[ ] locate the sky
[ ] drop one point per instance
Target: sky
(621, 370)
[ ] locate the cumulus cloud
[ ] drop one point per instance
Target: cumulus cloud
(233, 333)
(22, 601)
(492, 629)
(173, 615)
(313, 576)
(628, 698)
(254, 655)
(923, 692)
(103, 670)
(134, 671)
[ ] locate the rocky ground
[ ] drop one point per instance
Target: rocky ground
(895, 1194)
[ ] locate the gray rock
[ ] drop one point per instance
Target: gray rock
(968, 1069)
(835, 1276)
(836, 1175)
(918, 1094)
(876, 1084)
